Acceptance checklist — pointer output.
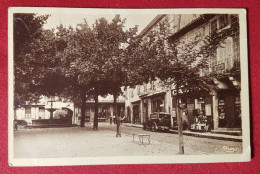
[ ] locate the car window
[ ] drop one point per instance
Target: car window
(167, 117)
(153, 116)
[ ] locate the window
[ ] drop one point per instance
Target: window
(145, 87)
(152, 85)
(223, 21)
(132, 92)
(158, 105)
(225, 50)
(27, 112)
(219, 23)
(213, 26)
(138, 90)
(41, 112)
(222, 59)
(87, 112)
(224, 55)
(126, 95)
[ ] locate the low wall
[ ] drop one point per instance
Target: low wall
(50, 122)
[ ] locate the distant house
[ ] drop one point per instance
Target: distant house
(35, 111)
(105, 108)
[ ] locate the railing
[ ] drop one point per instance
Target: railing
(221, 65)
(218, 66)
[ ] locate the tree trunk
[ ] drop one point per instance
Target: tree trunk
(95, 125)
(180, 131)
(179, 120)
(118, 131)
(83, 108)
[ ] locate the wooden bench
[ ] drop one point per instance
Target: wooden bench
(141, 137)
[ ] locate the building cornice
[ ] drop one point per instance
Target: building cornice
(151, 24)
(194, 24)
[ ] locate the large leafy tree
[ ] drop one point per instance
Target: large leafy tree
(27, 28)
(94, 60)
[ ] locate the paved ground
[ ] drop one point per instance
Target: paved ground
(84, 142)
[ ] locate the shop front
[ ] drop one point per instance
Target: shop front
(158, 102)
(229, 109)
(195, 110)
(136, 113)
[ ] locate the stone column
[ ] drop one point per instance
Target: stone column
(141, 111)
(215, 111)
(149, 107)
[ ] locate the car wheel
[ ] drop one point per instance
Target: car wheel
(153, 128)
(144, 127)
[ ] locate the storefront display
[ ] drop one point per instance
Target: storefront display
(229, 111)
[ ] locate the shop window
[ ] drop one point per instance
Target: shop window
(87, 110)
(229, 111)
(92, 108)
(190, 100)
(104, 111)
(237, 123)
(136, 118)
(158, 106)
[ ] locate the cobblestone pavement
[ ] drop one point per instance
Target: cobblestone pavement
(84, 142)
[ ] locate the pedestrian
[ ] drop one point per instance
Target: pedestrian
(114, 119)
(111, 119)
(185, 123)
(121, 119)
(15, 125)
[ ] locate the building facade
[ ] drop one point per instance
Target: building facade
(219, 105)
(145, 99)
(40, 110)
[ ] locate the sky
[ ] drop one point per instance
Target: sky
(142, 20)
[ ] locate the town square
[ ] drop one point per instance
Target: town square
(96, 84)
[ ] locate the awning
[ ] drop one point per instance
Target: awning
(153, 94)
(135, 101)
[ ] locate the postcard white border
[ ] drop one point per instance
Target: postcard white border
(245, 156)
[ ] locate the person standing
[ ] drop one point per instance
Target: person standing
(111, 119)
(15, 125)
(185, 122)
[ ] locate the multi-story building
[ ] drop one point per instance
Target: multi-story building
(221, 103)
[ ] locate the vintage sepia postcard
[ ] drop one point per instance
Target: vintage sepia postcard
(92, 86)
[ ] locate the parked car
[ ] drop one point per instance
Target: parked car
(158, 121)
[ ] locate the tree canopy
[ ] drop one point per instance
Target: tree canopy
(27, 30)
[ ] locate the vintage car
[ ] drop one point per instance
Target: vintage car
(158, 121)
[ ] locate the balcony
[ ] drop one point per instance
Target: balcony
(220, 66)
